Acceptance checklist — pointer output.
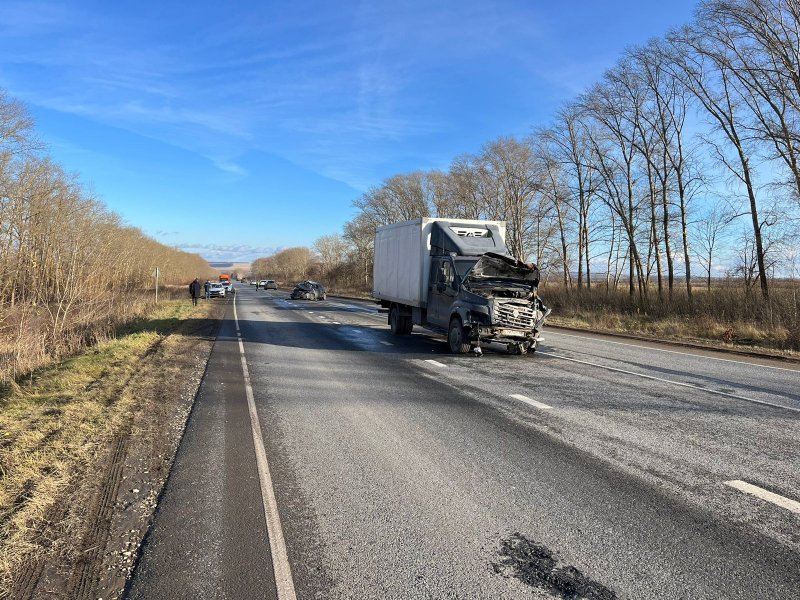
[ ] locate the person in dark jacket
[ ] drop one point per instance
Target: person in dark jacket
(207, 289)
(194, 290)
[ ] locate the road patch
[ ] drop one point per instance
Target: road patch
(537, 566)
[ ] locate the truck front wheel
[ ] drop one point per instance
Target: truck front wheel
(457, 337)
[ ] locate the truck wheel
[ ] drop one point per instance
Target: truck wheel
(395, 321)
(406, 325)
(457, 337)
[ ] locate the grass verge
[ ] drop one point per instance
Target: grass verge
(57, 424)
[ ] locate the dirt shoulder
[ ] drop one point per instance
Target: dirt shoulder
(85, 448)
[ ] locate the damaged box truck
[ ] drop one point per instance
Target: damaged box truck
(455, 276)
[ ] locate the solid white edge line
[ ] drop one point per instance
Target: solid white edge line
(754, 490)
(530, 401)
(677, 383)
(730, 360)
(277, 544)
(435, 362)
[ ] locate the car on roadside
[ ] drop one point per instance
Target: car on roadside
(216, 290)
(322, 293)
(309, 290)
(270, 285)
(228, 287)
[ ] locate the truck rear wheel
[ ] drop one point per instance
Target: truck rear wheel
(399, 324)
(406, 325)
(457, 337)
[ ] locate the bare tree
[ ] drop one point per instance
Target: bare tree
(609, 105)
(332, 251)
(758, 41)
(465, 188)
(568, 142)
(695, 62)
(709, 232)
(509, 166)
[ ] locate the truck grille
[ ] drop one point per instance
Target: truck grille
(516, 316)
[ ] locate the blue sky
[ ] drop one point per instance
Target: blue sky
(236, 128)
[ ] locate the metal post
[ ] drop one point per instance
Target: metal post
(156, 285)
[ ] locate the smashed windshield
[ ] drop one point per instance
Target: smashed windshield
(497, 266)
(463, 266)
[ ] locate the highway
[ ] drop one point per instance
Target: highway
(326, 458)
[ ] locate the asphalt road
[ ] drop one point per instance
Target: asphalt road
(594, 468)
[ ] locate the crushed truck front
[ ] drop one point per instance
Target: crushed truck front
(498, 302)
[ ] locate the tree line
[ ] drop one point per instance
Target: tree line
(685, 153)
(70, 269)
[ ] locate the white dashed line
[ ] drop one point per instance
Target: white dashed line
(754, 490)
(530, 401)
(386, 343)
(675, 383)
(336, 322)
(435, 363)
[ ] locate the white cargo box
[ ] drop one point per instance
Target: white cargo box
(402, 258)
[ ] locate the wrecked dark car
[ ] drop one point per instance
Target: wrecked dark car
(309, 290)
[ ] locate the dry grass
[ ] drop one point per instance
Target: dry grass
(29, 339)
(55, 424)
(726, 314)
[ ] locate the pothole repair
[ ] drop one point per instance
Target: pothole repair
(537, 566)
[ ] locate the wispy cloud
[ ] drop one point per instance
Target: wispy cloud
(317, 87)
(229, 252)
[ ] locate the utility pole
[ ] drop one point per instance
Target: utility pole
(156, 285)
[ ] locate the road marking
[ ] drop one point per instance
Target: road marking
(754, 490)
(677, 383)
(277, 545)
(336, 322)
(738, 362)
(352, 307)
(388, 344)
(435, 363)
(530, 401)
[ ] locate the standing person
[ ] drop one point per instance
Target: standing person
(258, 281)
(207, 289)
(194, 290)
